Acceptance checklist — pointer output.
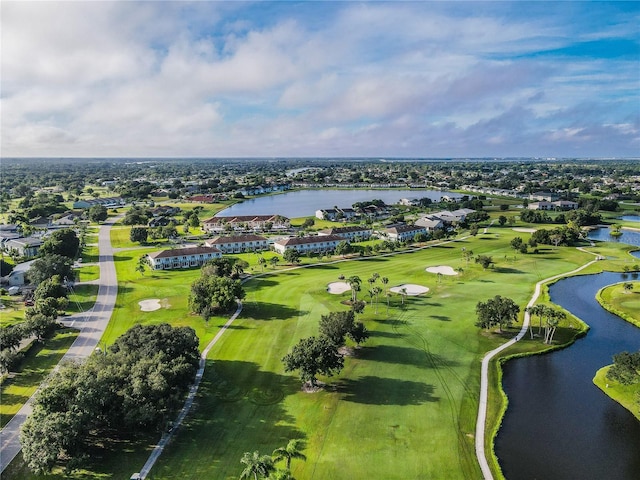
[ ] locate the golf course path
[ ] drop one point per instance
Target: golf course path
(91, 325)
(157, 450)
(484, 374)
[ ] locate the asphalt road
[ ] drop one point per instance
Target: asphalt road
(91, 325)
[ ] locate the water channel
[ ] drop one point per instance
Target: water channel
(304, 203)
(559, 425)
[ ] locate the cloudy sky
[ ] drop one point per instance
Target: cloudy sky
(381, 79)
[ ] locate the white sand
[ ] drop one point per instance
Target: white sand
(442, 269)
(336, 288)
(411, 288)
(150, 305)
(524, 230)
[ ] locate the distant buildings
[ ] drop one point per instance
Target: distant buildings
(336, 213)
(108, 202)
(182, 257)
(557, 205)
(315, 244)
(246, 222)
(348, 233)
(402, 233)
(239, 243)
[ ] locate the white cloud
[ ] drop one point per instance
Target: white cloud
(216, 78)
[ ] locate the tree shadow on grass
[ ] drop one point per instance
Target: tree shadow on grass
(390, 321)
(270, 311)
(405, 356)
(442, 318)
(381, 334)
(507, 270)
(372, 390)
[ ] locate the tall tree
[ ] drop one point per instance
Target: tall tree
(97, 213)
(50, 265)
(139, 234)
(63, 242)
(313, 356)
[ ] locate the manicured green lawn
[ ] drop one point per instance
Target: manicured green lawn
(621, 302)
(83, 298)
(87, 273)
(38, 362)
(409, 391)
(626, 395)
(90, 254)
(13, 311)
(407, 399)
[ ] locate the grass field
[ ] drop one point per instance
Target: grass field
(626, 395)
(37, 364)
(621, 302)
(407, 398)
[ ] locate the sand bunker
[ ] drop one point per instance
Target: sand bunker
(337, 288)
(442, 269)
(150, 305)
(411, 289)
(524, 230)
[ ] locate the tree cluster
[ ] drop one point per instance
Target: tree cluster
(218, 287)
(625, 368)
(137, 384)
(320, 355)
(498, 311)
(63, 242)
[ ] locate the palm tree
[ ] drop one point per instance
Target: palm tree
(262, 261)
(628, 287)
(385, 281)
(291, 451)
(256, 464)
(354, 282)
(403, 292)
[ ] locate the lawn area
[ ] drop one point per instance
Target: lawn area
(87, 273)
(13, 311)
(626, 395)
(83, 298)
(90, 254)
(39, 361)
(408, 397)
(410, 390)
(621, 302)
(170, 287)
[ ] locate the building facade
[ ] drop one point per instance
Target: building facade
(239, 243)
(315, 244)
(182, 257)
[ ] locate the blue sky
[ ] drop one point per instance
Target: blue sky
(381, 79)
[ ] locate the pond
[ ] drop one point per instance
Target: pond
(631, 237)
(304, 203)
(630, 218)
(559, 425)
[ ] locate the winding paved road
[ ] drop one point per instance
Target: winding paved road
(91, 325)
(484, 373)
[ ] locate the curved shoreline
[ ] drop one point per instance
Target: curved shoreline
(610, 308)
(484, 372)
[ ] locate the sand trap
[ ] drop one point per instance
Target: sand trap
(336, 288)
(150, 305)
(442, 269)
(411, 288)
(524, 230)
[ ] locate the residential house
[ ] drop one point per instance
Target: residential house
(402, 233)
(246, 222)
(543, 196)
(108, 202)
(348, 233)
(182, 257)
(17, 277)
(336, 213)
(543, 205)
(565, 205)
(239, 243)
(24, 246)
(315, 244)
(430, 224)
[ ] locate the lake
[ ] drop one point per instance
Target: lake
(628, 236)
(304, 203)
(630, 218)
(558, 424)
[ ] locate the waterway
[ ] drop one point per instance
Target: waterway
(631, 218)
(632, 237)
(559, 425)
(304, 203)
